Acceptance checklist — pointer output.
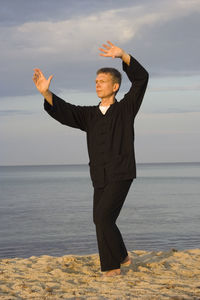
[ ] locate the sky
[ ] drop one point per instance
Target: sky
(62, 38)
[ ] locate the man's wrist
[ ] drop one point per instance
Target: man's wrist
(126, 58)
(46, 93)
(48, 96)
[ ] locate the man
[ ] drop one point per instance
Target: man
(110, 141)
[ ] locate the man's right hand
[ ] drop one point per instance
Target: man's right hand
(42, 84)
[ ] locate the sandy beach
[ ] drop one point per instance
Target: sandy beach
(152, 275)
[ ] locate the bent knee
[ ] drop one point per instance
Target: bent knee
(102, 220)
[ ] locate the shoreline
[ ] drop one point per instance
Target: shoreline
(153, 275)
(139, 163)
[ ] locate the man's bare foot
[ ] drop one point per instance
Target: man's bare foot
(126, 262)
(114, 272)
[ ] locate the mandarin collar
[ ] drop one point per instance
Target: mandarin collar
(110, 104)
(109, 109)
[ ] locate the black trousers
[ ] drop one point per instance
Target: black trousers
(108, 202)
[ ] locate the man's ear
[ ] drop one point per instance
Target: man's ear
(116, 87)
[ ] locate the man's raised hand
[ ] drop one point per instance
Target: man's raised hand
(41, 83)
(113, 51)
(110, 50)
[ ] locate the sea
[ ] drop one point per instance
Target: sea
(47, 210)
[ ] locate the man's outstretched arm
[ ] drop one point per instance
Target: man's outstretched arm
(42, 84)
(115, 52)
(62, 111)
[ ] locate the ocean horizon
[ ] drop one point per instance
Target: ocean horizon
(85, 164)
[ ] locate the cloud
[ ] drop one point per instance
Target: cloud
(161, 33)
(11, 112)
(174, 88)
(76, 35)
(74, 38)
(23, 11)
(79, 36)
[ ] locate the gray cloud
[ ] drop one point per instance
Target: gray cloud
(22, 11)
(173, 47)
(175, 88)
(173, 110)
(11, 112)
(64, 39)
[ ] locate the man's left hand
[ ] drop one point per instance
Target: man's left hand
(111, 51)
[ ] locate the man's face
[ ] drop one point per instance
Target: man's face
(105, 87)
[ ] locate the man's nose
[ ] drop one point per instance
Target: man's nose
(97, 85)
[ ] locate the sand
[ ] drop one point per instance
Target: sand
(153, 275)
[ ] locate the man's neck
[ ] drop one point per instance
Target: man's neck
(108, 100)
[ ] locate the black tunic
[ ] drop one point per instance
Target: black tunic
(110, 137)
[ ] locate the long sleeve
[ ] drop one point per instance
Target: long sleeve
(139, 79)
(67, 113)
